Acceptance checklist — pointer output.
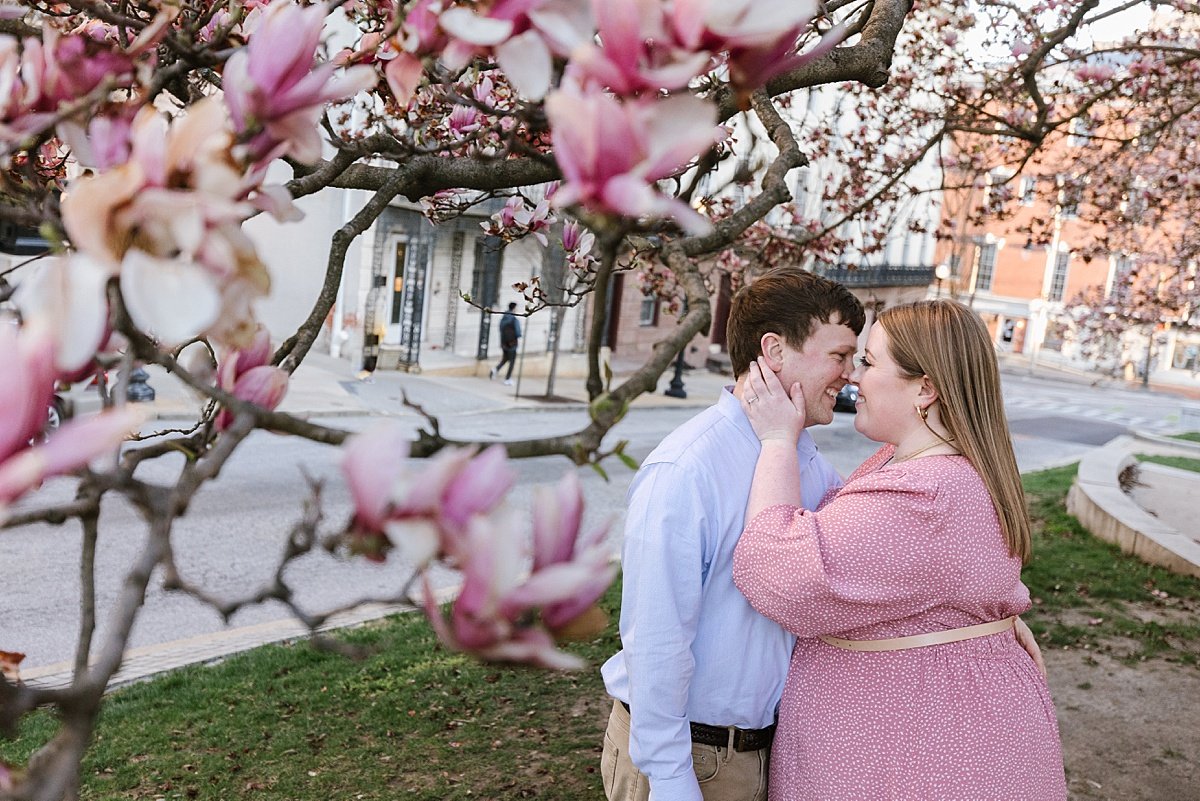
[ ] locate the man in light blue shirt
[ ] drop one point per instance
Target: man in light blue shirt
(700, 673)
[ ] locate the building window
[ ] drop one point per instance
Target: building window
(997, 192)
(1028, 190)
(986, 269)
(1133, 206)
(1124, 264)
(1056, 334)
(1068, 197)
(485, 277)
(1058, 282)
(1187, 356)
(1081, 132)
(649, 311)
(398, 283)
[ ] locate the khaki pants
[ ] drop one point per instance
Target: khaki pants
(724, 775)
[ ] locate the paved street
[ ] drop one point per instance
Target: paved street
(231, 537)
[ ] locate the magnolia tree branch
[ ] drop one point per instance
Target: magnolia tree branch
(87, 587)
(411, 160)
(300, 541)
(293, 351)
(54, 515)
(1029, 69)
(608, 245)
(868, 62)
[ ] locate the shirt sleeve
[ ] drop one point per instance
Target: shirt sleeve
(660, 605)
(873, 553)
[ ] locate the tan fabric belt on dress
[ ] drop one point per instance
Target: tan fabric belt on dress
(923, 640)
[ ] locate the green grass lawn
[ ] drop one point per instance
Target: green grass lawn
(1087, 593)
(1190, 436)
(410, 722)
(1182, 462)
(415, 722)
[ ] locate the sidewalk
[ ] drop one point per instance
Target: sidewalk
(140, 664)
(1171, 382)
(327, 387)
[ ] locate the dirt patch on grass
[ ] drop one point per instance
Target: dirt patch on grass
(1129, 732)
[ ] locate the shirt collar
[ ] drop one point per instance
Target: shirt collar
(731, 408)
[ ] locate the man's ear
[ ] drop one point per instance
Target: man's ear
(772, 350)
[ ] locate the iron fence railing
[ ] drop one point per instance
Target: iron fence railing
(879, 275)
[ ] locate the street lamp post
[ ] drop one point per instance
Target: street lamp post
(676, 389)
(941, 273)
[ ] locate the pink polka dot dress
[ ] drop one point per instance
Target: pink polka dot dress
(902, 549)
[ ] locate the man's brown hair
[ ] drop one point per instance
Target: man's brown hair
(790, 302)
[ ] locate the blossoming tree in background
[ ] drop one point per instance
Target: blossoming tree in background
(1101, 169)
(137, 137)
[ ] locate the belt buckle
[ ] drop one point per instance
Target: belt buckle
(756, 740)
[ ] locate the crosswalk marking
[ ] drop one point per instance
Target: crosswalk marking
(1168, 423)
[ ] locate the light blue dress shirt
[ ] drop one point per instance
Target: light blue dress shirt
(692, 647)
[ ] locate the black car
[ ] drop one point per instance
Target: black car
(846, 398)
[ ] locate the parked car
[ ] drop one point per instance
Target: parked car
(846, 398)
(61, 410)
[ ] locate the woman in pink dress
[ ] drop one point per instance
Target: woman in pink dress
(907, 681)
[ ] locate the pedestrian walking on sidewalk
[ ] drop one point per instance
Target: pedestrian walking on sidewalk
(510, 334)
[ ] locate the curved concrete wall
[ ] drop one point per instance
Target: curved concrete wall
(1104, 509)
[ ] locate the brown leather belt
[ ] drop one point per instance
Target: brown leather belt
(743, 739)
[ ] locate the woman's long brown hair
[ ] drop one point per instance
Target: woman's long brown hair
(946, 341)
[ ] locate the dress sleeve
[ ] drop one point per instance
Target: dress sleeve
(876, 552)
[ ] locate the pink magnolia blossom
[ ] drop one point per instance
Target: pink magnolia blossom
(758, 36)
(28, 358)
(67, 297)
(372, 463)
(637, 52)
(263, 386)
(576, 238)
(611, 152)
(426, 505)
(503, 613)
(420, 36)
(524, 36)
(104, 143)
(578, 243)
(562, 553)
(247, 376)
(450, 507)
(517, 219)
(1094, 73)
(38, 76)
(274, 92)
(28, 385)
(168, 222)
(463, 120)
(484, 620)
(72, 446)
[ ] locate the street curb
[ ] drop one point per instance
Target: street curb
(140, 664)
(1159, 439)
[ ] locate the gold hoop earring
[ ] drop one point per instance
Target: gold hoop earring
(922, 411)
